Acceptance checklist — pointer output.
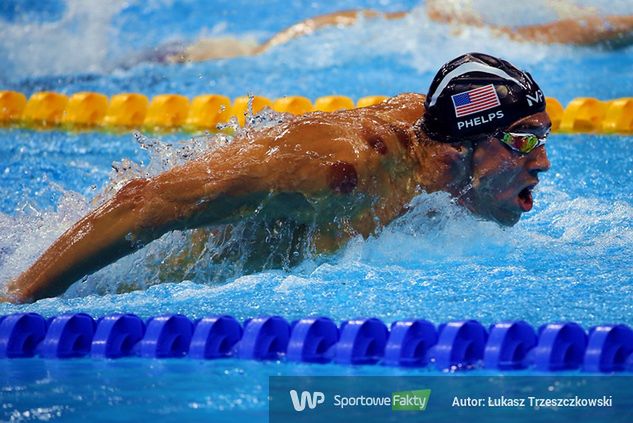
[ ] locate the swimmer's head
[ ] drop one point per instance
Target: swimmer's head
(490, 118)
(475, 95)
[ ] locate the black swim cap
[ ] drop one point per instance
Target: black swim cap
(476, 94)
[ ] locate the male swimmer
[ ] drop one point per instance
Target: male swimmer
(571, 24)
(478, 134)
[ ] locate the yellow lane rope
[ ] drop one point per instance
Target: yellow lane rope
(174, 112)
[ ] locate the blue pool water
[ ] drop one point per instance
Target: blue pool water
(571, 258)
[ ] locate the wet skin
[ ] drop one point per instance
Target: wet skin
(502, 179)
(340, 163)
(345, 173)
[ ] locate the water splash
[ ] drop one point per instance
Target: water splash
(27, 234)
(163, 155)
(36, 48)
(570, 259)
(203, 255)
(413, 43)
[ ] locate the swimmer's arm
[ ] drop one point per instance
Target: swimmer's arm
(225, 47)
(580, 26)
(582, 31)
(200, 193)
(576, 25)
(308, 26)
(96, 240)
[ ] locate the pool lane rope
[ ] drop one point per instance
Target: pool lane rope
(174, 112)
(465, 344)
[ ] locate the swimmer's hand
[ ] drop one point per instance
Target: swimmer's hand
(5, 299)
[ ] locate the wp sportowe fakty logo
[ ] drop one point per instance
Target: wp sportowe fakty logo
(311, 399)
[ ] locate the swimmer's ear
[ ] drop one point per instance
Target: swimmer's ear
(461, 159)
(461, 151)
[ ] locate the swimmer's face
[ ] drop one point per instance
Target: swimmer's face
(503, 179)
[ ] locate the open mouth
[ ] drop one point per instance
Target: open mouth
(525, 198)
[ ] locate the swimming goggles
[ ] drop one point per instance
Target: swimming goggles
(522, 143)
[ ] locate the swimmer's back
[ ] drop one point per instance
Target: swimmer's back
(382, 129)
(318, 147)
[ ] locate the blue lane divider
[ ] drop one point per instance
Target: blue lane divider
(460, 344)
(166, 337)
(508, 345)
(561, 346)
(312, 340)
(20, 334)
(362, 341)
(609, 348)
(215, 337)
(68, 336)
(407, 343)
(265, 338)
(117, 335)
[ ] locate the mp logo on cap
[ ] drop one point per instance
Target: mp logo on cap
(534, 99)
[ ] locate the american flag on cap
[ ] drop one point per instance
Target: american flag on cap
(475, 100)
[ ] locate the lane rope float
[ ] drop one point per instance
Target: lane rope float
(175, 112)
(509, 345)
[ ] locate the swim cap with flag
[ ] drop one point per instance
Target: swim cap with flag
(477, 94)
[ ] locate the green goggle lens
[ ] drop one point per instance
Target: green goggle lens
(522, 143)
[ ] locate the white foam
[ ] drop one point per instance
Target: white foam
(82, 39)
(77, 42)
(25, 236)
(414, 41)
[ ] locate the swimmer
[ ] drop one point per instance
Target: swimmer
(572, 24)
(478, 135)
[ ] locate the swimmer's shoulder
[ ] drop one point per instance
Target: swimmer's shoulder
(405, 109)
(408, 99)
(322, 130)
